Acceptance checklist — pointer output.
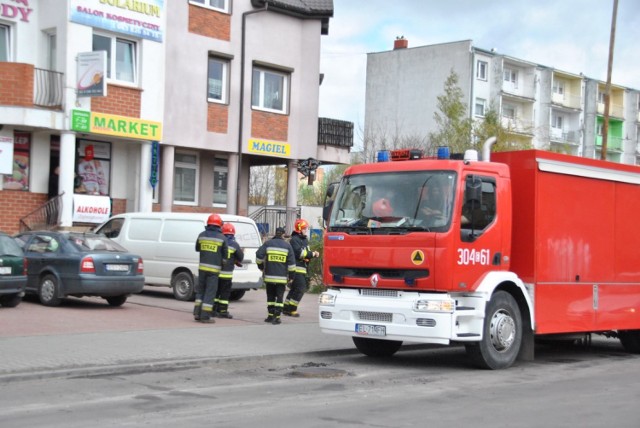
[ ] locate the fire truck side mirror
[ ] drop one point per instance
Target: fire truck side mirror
(328, 202)
(473, 190)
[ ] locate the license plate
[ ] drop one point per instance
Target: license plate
(371, 330)
(117, 268)
(5, 270)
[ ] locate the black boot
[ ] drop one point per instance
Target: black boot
(270, 318)
(197, 311)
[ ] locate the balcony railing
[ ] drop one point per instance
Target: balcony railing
(517, 125)
(613, 143)
(566, 100)
(561, 136)
(614, 109)
(47, 88)
(332, 132)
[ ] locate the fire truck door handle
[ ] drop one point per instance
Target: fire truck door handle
(497, 258)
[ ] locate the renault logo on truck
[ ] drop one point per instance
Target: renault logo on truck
(374, 280)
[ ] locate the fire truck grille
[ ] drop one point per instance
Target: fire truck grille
(394, 274)
(375, 316)
(372, 292)
(426, 322)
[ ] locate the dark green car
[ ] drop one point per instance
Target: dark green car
(13, 275)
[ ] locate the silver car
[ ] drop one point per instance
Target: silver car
(61, 264)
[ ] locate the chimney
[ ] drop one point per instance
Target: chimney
(400, 43)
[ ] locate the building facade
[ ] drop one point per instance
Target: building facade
(155, 105)
(546, 108)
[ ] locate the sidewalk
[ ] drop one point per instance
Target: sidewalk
(32, 357)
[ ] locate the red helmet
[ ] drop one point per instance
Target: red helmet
(214, 219)
(300, 224)
(382, 208)
(228, 229)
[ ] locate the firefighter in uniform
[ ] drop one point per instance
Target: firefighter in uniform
(275, 259)
(236, 255)
(303, 255)
(213, 249)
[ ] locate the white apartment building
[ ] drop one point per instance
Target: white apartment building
(549, 109)
(156, 104)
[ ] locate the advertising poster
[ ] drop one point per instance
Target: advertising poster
(91, 209)
(16, 161)
(92, 78)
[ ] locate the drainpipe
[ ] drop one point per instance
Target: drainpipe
(241, 121)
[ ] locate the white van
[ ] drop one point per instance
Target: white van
(166, 242)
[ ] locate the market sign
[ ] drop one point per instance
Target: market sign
(135, 18)
(272, 148)
(118, 126)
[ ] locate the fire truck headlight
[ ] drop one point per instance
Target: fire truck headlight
(434, 306)
(326, 299)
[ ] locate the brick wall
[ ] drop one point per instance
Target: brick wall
(120, 100)
(118, 206)
(15, 204)
(16, 84)
(269, 126)
(217, 118)
(209, 23)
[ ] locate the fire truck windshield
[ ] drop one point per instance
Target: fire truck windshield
(411, 201)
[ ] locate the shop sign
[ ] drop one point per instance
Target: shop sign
(135, 18)
(118, 126)
(272, 148)
(91, 209)
(17, 9)
(155, 159)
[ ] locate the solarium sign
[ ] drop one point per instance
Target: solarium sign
(136, 18)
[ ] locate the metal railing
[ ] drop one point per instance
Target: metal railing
(48, 88)
(45, 217)
(268, 218)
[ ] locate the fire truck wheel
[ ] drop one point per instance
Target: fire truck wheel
(502, 334)
(630, 340)
(377, 347)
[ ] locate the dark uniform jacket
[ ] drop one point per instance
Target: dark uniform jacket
(275, 258)
(213, 249)
(301, 252)
(236, 255)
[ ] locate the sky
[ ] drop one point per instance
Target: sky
(568, 35)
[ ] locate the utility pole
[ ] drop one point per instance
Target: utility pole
(607, 90)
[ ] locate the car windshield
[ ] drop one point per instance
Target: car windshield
(9, 247)
(411, 201)
(84, 243)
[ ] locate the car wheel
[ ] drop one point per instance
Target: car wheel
(236, 295)
(116, 300)
(183, 286)
(48, 291)
(10, 300)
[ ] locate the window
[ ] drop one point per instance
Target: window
(93, 167)
(481, 71)
(53, 51)
(600, 97)
(122, 65)
(270, 90)
(556, 122)
(599, 129)
(19, 180)
(185, 185)
(511, 76)
(220, 176)
(4, 43)
(481, 104)
(509, 111)
(479, 209)
(217, 80)
(222, 5)
(558, 87)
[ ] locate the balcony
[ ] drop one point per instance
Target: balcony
(613, 143)
(566, 100)
(517, 125)
(48, 88)
(565, 137)
(333, 132)
(615, 110)
(23, 85)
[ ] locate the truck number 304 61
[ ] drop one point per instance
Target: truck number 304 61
(468, 256)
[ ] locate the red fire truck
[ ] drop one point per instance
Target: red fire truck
(490, 254)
